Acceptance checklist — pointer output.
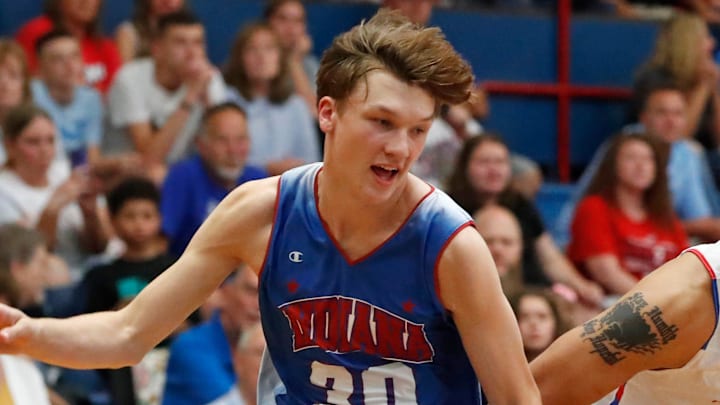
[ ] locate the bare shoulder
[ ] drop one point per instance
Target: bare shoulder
(465, 262)
(241, 224)
(251, 199)
(464, 244)
(661, 323)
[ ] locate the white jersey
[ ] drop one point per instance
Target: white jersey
(698, 382)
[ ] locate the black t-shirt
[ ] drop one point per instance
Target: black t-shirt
(116, 283)
(532, 228)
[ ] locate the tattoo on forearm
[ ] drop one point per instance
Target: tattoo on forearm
(629, 327)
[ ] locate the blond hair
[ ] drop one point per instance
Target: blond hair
(676, 48)
(417, 55)
(11, 49)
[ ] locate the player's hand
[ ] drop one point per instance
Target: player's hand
(14, 329)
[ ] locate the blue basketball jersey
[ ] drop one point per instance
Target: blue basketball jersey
(366, 331)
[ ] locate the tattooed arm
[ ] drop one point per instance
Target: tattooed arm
(661, 323)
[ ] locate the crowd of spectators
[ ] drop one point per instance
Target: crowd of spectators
(114, 151)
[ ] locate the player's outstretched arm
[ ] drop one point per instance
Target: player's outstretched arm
(470, 290)
(661, 323)
(237, 231)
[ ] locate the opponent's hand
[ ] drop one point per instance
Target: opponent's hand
(14, 329)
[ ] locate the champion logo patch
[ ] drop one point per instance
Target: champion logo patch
(295, 256)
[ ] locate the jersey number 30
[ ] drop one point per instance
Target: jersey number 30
(390, 384)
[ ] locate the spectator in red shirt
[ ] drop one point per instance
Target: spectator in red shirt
(81, 18)
(625, 226)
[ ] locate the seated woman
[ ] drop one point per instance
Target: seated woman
(625, 226)
(82, 19)
(539, 318)
(482, 177)
(64, 209)
(282, 132)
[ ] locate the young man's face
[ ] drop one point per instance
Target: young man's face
(665, 115)
(376, 134)
(225, 144)
(61, 63)
(137, 222)
(288, 22)
(181, 46)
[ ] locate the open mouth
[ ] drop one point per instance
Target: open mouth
(385, 173)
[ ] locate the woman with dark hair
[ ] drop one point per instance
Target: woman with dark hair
(133, 36)
(82, 19)
(625, 225)
(482, 177)
(287, 18)
(539, 318)
(279, 123)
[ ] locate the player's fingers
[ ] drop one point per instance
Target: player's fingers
(10, 328)
(9, 315)
(13, 337)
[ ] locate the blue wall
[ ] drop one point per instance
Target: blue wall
(499, 47)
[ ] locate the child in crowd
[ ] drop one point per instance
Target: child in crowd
(134, 206)
(540, 319)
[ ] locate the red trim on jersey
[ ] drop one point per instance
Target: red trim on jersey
(272, 229)
(619, 394)
(704, 261)
(436, 273)
(713, 290)
(337, 244)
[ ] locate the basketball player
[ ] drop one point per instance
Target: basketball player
(374, 287)
(658, 343)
